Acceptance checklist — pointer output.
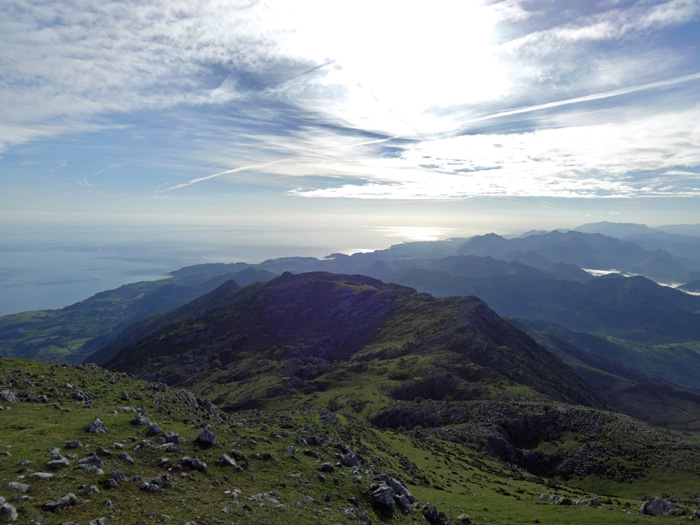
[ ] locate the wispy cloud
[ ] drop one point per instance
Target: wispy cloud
(225, 172)
(388, 100)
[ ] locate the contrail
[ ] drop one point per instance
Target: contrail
(234, 170)
(588, 98)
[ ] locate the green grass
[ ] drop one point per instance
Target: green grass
(457, 478)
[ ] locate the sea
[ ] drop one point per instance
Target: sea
(44, 268)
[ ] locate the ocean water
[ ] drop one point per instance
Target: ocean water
(43, 269)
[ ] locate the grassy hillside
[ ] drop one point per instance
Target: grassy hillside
(278, 456)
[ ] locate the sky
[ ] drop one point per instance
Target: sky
(411, 120)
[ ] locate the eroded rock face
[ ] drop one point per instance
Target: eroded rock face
(383, 499)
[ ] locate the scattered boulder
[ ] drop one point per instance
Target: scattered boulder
(206, 437)
(59, 462)
(126, 457)
(659, 506)
(92, 459)
(99, 521)
(74, 444)
(61, 503)
(382, 497)
(17, 486)
(118, 476)
(226, 461)
(189, 463)
(154, 429)
(464, 518)
(42, 475)
(172, 437)
(8, 512)
(97, 427)
(433, 516)
(8, 396)
(140, 420)
(326, 467)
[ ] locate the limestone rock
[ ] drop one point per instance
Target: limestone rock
(8, 512)
(97, 427)
(658, 506)
(61, 503)
(206, 437)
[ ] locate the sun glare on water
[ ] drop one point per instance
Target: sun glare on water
(415, 234)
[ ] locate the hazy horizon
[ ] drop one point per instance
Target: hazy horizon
(41, 268)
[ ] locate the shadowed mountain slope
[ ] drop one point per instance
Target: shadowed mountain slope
(307, 327)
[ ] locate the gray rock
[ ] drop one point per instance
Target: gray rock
(226, 461)
(92, 489)
(383, 499)
(42, 475)
(326, 467)
(464, 518)
(348, 460)
(562, 501)
(159, 480)
(433, 516)
(96, 427)
(172, 437)
(399, 487)
(8, 396)
(99, 521)
(657, 507)
(126, 457)
(154, 429)
(92, 459)
(206, 437)
(595, 502)
(118, 476)
(544, 497)
(8, 512)
(74, 444)
(58, 463)
(189, 463)
(61, 503)
(402, 503)
(17, 486)
(140, 420)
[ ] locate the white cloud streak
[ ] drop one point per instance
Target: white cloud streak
(225, 172)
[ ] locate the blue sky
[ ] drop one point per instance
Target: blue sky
(439, 118)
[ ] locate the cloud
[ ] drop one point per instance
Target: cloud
(642, 156)
(225, 172)
(364, 99)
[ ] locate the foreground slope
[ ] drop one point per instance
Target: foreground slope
(305, 466)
